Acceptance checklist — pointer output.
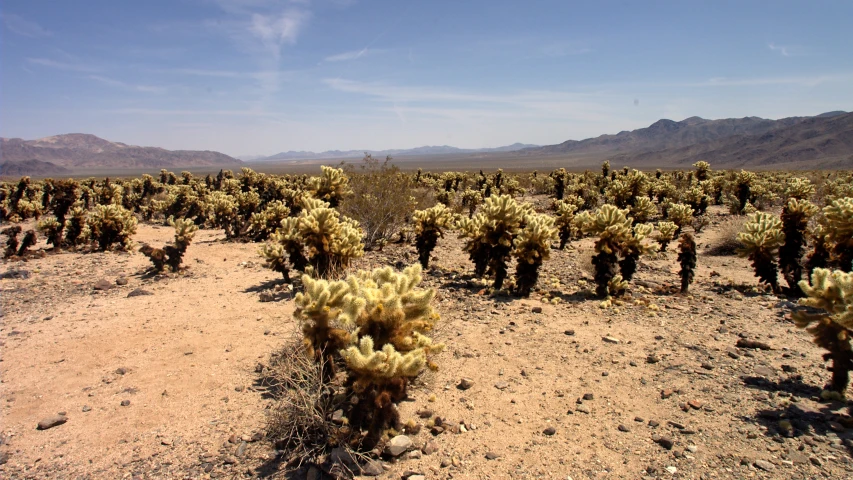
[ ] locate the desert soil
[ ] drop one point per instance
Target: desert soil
(164, 385)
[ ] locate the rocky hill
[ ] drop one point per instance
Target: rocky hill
(822, 141)
(31, 167)
(78, 150)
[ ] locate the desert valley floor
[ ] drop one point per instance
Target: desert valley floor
(156, 374)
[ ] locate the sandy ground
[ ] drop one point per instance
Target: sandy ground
(185, 358)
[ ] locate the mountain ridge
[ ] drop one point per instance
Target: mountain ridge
(423, 150)
(83, 150)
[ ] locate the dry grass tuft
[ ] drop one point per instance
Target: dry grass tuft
(301, 422)
(726, 241)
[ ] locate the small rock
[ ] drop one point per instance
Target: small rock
(430, 448)
(672, 470)
(121, 281)
(582, 409)
(491, 456)
(125, 403)
(103, 284)
(445, 462)
(51, 422)
(764, 465)
(549, 431)
(707, 366)
(652, 358)
(623, 428)
(536, 309)
(610, 340)
(695, 404)
(745, 343)
(653, 423)
(465, 384)
(372, 468)
(4, 457)
(241, 450)
(87, 408)
(266, 297)
(692, 448)
(398, 445)
(588, 396)
(138, 293)
(664, 442)
(229, 460)
(121, 371)
(338, 417)
(501, 385)
(666, 393)
(569, 332)
(413, 455)
(166, 441)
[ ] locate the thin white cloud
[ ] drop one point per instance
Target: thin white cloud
(804, 81)
(275, 30)
(22, 26)
(184, 112)
(126, 86)
(76, 67)
(779, 48)
(352, 55)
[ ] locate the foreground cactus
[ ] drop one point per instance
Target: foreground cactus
(565, 221)
(532, 247)
(632, 248)
(112, 224)
(172, 255)
(795, 221)
(429, 227)
(613, 228)
(838, 226)
(376, 323)
(665, 234)
(833, 293)
(687, 260)
(762, 237)
(490, 235)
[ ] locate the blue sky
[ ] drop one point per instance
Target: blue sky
(263, 76)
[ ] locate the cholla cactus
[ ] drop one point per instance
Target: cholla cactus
(471, 199)
(52, 229)
(698, 200)
(490, 235)
(376, 322)
(833, 293)
(681, 215)
(742, 192)
(331, 186)
(795, 220)
(565, 217)
(112, 224)
(838, 227)
(799, 188)
(687, 260)
(613, 228)
(643, 210)
(172, 255)
(264, 223)
(77, 226)
(330, 240)
(11, 240)
(532, 247)
(634, 246)
(702, 170)
(762, 237)
(429, 227)
(665, 234)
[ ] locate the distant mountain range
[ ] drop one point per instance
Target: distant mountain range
(822, 141)
(80, 150)
(419, 151)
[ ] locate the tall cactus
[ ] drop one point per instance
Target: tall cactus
(429, 227)
(532, 247)
(762, 237)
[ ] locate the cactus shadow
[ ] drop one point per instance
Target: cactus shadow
(802, 422)
(267, 285)
(793, 385)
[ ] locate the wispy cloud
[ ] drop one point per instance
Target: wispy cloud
(275, 30)
(352, 55)
(781, 49)
(126, 86)
(187, 112)
(76, 67)
(803, 80)
(22, 26)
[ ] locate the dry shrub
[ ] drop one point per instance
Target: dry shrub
(726, 242)
(381, 199)
(301, 421)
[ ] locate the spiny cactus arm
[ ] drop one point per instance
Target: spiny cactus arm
(830, 291)
(372, 366)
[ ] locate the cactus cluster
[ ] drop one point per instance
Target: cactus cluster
(490, 234)
(831, 292)
(531, 247)
(375, 324)
(430, 225)
(172, 255)
(762, 237)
